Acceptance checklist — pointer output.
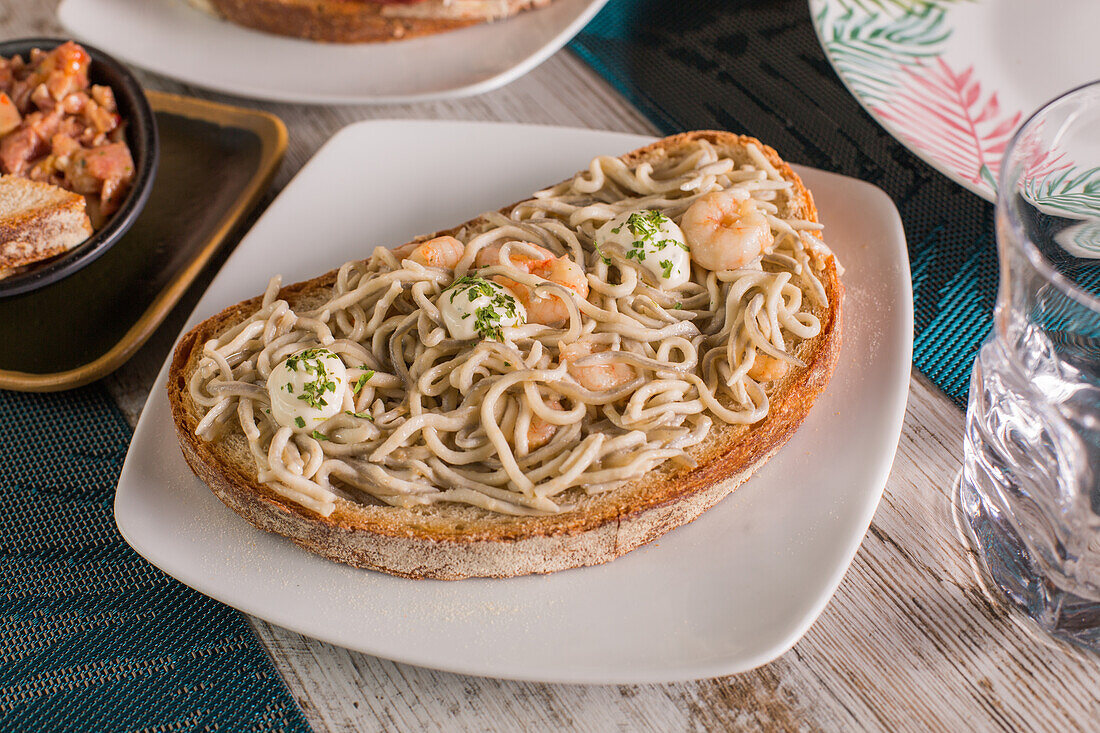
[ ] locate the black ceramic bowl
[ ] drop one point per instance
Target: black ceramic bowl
(141, 136)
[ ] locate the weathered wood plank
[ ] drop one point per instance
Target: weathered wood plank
(909, 642)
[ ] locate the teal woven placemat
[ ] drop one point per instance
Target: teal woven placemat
(755, 67)
(92, 637)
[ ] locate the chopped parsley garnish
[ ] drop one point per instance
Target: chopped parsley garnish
(311, 361)
(678, 306)
(363, 379)
(314, 354)
(605, 258)
(299, 422)
(666, 267)
(361, 415)
(646, 224)
(487, 318)
(318, 435)
(474, 286)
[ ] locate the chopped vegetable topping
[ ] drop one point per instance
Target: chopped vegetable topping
(363, 379)
(361, 415)
(605, 258)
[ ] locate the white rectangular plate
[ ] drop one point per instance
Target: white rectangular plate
(733, 590)
(172, 38)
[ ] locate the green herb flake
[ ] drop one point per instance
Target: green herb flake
(678, 306)
(473, 285)
(299, 422)
(666, 267)
(363, 379)
(318, 435)
(606, 260)
(637, 251)
(646, 224)
(360, 415)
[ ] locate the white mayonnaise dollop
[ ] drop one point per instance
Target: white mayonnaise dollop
(307, 388)
(473, 307)
(654, 240)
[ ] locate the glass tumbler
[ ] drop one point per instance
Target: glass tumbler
(1029, 492)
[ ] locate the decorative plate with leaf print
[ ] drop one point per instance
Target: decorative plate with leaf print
(953, 79)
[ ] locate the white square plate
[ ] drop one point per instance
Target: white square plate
(172, 38)
(733, 590)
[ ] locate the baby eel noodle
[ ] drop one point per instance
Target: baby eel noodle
(442, 420)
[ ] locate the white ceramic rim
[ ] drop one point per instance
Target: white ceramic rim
(502, 78)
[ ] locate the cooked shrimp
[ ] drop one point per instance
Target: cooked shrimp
(596, 377)
(725, 232)
(767, 368)
(548, 310)
(442, 251)
(540, 432)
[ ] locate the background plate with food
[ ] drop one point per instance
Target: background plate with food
(173, 38)
(731, 591)
(78, 154)
(144, 275)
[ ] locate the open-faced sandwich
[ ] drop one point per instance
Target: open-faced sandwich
(362, 21)
(543, 387)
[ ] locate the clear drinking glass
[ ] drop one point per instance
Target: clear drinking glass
(1030, 486)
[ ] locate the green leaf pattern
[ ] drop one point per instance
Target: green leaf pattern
(870, 42)
(1068, 192)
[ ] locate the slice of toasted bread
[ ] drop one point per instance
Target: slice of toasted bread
(362, 21)
(38, 221)
(450, 541)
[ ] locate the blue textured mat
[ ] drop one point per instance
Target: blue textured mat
(92, 637)
(755, 67)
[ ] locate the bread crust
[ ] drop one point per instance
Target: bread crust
(435, 544)
(54, 225)
(347, 21)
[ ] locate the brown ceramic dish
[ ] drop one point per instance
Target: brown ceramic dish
(85, 326)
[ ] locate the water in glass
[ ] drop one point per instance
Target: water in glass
(1030, 486)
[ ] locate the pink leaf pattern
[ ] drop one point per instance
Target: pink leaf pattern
(1040, 163)
(941, 111)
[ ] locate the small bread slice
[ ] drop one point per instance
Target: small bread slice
(38, 221)
(451, 541)
(362, 21)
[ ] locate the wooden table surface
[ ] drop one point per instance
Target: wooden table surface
(909, 642)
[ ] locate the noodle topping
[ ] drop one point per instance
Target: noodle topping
(568, 346)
